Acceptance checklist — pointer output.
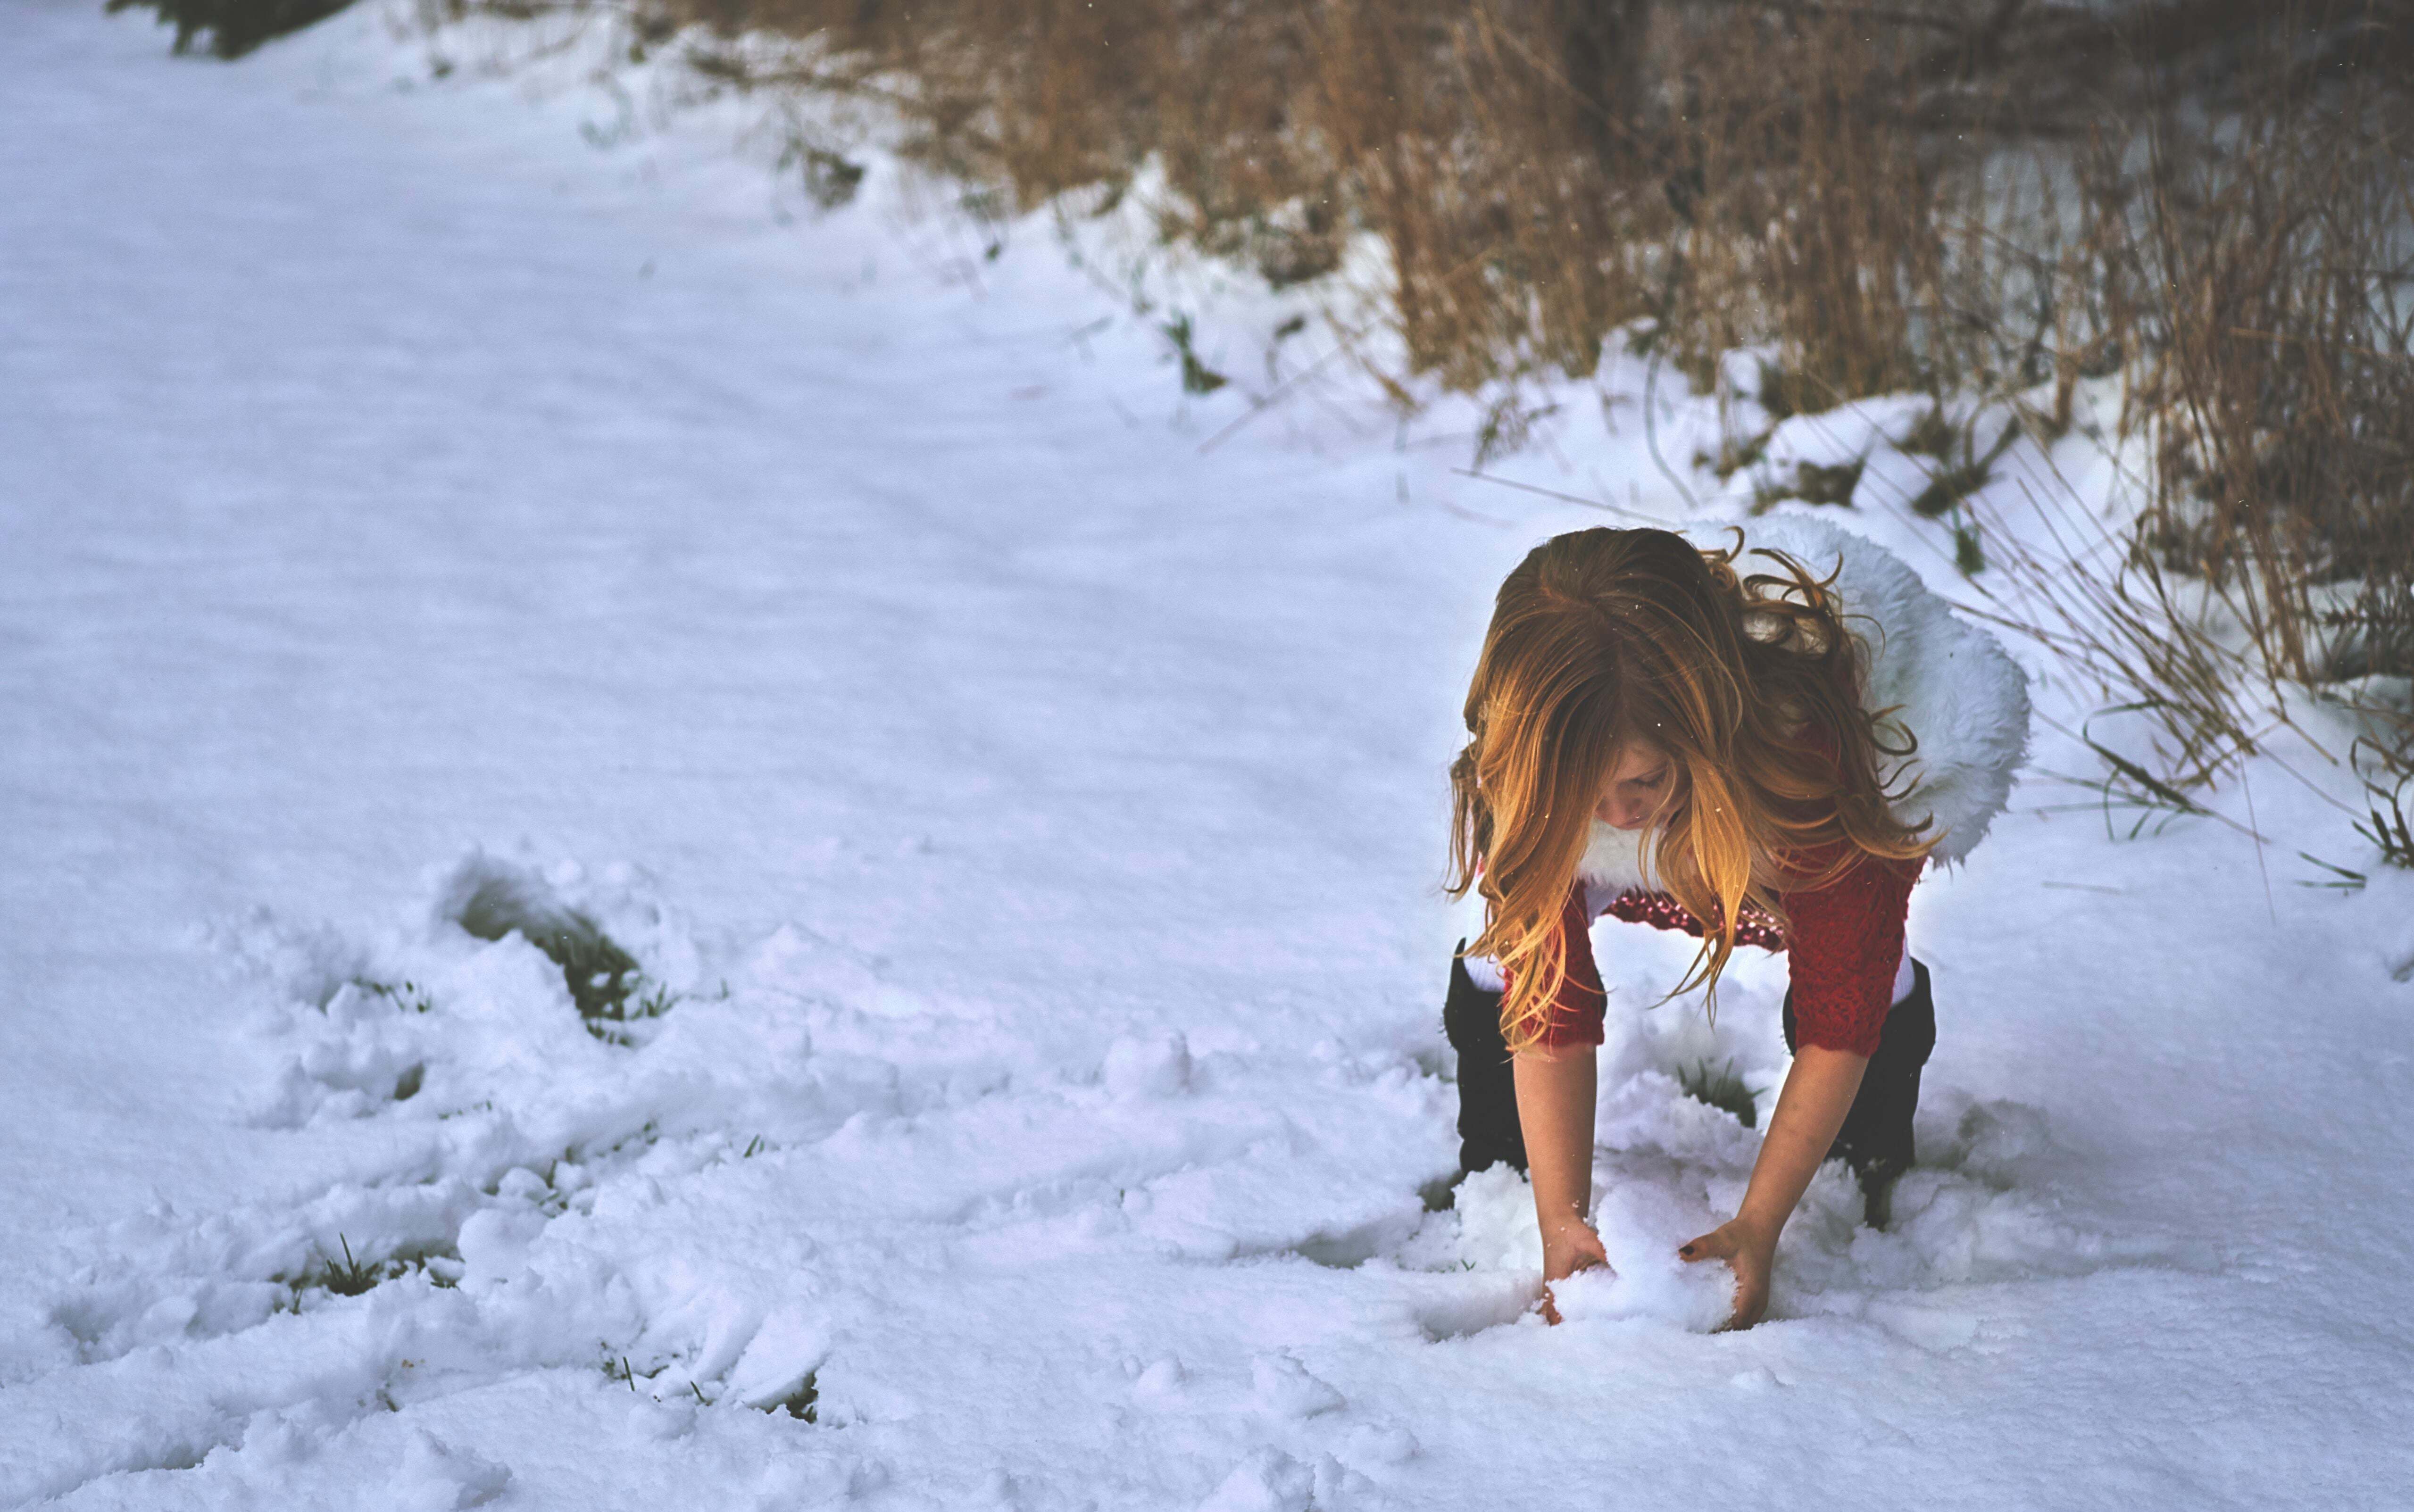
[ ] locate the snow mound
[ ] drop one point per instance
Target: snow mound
(776, 1198)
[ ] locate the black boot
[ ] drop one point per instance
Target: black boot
(1875, 1140)
(1488, 1132)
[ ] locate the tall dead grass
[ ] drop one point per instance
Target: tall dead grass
(2279, 367)
(2003, 196)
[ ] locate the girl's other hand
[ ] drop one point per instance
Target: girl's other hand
(1555, 1101)
(1748, 1253)
(1571, 1246)
(1567, 1248)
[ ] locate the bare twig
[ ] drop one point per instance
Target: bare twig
(1553, 493)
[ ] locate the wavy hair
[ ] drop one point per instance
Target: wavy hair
(1601, 638)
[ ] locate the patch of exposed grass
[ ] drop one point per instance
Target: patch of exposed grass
(1721, 1089)
(604, 979)
(1947, 487)
(352, 1277)
(1955, 481)
(1930, 436)
(355, 1276)
(1812, 484)
(1968, 558)
(1784, 391)
(1196, 376)
(1736, 454)
(2389, 828)
(407, 995)
(830, 179)
(1507, 428)
(799, 1404)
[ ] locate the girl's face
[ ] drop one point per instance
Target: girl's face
(1639, 783)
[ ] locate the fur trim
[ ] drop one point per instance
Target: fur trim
(1613, 860)
(1958, 692)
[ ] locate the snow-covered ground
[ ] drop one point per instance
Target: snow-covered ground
(409, 506)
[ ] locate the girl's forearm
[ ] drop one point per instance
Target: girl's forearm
(1818, 1094)
(1555, 1107)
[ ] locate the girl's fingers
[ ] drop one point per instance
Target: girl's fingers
(1751, 1274)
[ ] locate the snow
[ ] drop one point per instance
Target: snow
(1032, 822)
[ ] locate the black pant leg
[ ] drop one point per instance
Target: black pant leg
(1877, 1132)
(1488, 1131)
(1876, 1137)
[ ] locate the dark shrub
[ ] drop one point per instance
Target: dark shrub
(234, 28)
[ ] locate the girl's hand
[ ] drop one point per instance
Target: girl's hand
(1818, 1090)
(1567, 1247)
(1751, 1253)
(1555, 1104)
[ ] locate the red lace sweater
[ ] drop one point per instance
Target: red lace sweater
(1845, 941)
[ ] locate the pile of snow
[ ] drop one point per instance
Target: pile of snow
(736, 1204)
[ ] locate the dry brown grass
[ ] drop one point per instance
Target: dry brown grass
(1994, 196)
(2281, 370)
(1540, 172)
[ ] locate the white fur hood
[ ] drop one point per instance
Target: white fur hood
(1951, 685)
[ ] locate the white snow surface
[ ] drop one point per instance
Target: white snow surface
(1032, 822)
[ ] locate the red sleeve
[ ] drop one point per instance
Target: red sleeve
(1575, 1012)
(1846, 941)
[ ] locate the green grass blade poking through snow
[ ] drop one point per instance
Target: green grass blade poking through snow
(1719, 1087)
(604, 980)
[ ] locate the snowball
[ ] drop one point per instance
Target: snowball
(1696, 1297)
(1382, 1444)
(1156, 1067)
(437, 1477)
(1285, 1388)
(1268, 1480)
(788, 1347)
(1161, 1380)
(495, 1243)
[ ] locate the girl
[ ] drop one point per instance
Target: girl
(1726, 742)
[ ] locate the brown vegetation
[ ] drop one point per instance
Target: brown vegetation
(1998, 197)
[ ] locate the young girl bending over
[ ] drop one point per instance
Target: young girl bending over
(1761, 744)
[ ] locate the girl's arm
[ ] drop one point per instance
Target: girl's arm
(1846, 941)
(1554, 1104)
(1818, 1094)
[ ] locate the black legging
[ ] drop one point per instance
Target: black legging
(1875, 1139)
(1488, 1132)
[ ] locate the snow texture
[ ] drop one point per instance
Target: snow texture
(668, 849)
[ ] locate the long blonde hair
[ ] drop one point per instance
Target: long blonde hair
(1602, 638)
